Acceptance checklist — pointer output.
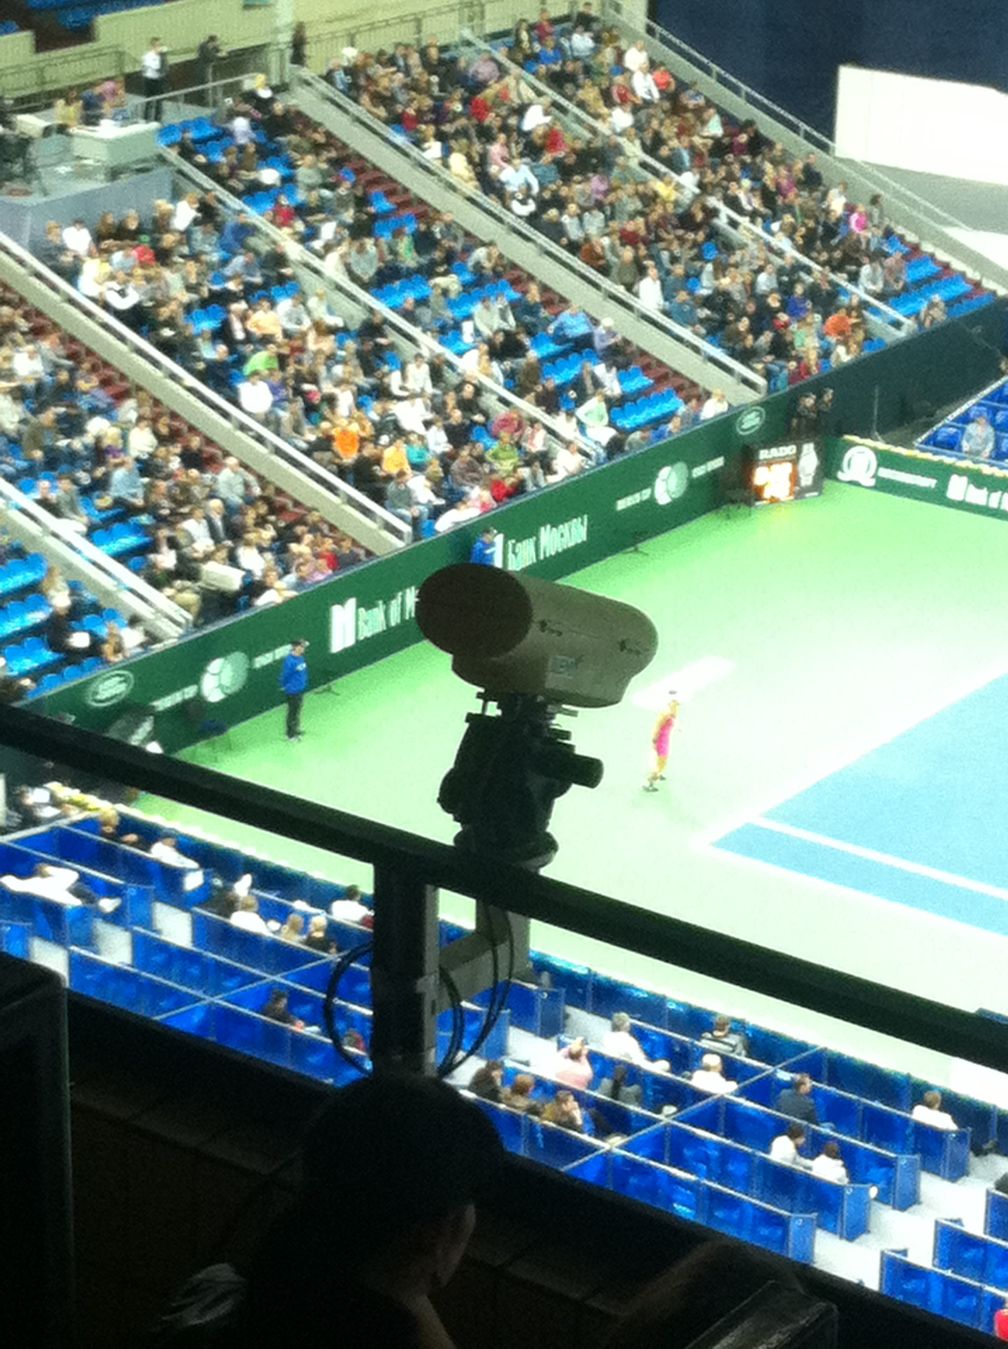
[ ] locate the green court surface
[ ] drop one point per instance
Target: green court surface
(801, 637)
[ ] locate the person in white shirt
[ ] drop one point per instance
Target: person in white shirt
(346, 403)
(121, 296)
(567, 463)
(714, 406)
(350, 909)
(197, 532)
(248, 917)
(249, 558)
(786, 1147)
(186, 211)
(829, 1165)
(241, 129)
(710, 1076)
(166, 850)
(27, 364)
(535, 116)
(413, 414)
(141, 440)
(47, 882)
(567, 424)
(643, 84)
(77, 238)
(649, 289)
(294, 317)
(582, 44)
(621, 1044)
(255, 396)
(437, 440)
(154, 67)
(423, 493)
(620, 119)
(929, 1111)
(609, 376)
(418, 377)
(635, 57)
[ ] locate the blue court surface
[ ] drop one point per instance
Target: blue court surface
(917, 821)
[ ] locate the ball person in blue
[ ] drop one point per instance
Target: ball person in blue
(294, 681)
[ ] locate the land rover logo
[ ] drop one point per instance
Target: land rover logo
(860, 465)
(109, 688)
(224, 676)
(749, 422)
(671, 483)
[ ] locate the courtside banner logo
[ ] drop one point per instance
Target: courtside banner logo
(747, 423)
(111, 688)
(352, 622)
(860, 466)
(224, 676)
(343, 625)
(671, 483)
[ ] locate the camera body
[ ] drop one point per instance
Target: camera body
(509, 633)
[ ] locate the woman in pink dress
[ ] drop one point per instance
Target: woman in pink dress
(660, 742)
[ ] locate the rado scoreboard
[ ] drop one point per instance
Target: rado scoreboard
(787, 472)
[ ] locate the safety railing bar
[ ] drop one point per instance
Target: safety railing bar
(348, 28)
(710, 67)
(114, 572)
(799, 982)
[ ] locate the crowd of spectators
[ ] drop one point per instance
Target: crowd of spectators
(357, 396)
(211, 536)
(659, 236)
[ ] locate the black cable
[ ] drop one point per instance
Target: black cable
(498, 999)
(449, 1062)
(457, 1061)
(339, 970)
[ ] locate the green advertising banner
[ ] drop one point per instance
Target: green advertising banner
(941, 480)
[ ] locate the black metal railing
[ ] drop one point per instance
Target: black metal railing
(407, 869)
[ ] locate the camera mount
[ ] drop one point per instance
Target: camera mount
(508, 772)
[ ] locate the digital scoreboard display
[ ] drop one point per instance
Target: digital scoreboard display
(788, 472)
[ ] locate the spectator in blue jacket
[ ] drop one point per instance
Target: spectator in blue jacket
(483, 550)
(294, 682)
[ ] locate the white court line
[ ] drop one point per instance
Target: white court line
(886, 859)
(687, 682)
(707, 838)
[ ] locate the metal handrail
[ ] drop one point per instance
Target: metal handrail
(398, 854)
(414, 337)
(957, 411)
(355, 32)
(651, 167)
(266, 439)
(707, 352)
(109, 59)
(167, 619)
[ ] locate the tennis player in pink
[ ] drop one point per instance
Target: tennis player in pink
(660, 741)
